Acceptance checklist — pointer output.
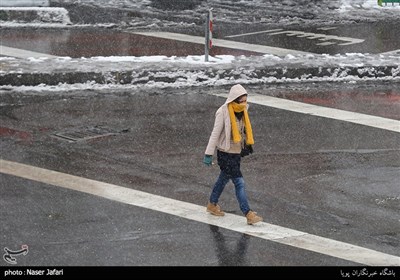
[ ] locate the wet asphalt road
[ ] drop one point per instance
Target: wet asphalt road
(321, 176)
(376, 37)
(88, 41)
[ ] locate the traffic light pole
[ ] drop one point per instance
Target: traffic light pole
(208, 35)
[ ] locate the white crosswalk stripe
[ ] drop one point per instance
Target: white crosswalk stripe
(197, 213)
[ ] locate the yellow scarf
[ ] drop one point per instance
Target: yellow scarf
(242, 107)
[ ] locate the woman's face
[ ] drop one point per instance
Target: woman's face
(241, 99)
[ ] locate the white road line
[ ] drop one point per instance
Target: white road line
(326, 28)
(325, 44)
(222, 43)
(392, 52)
(7, 51)
(331, 113)
(253, 33)
(309, 35)
(197, 213)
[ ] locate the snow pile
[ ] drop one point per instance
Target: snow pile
(33, 15)
(162, 71)
(155, 14)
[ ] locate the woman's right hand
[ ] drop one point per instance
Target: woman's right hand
(207, 160)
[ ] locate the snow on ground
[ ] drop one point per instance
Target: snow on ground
(152, 14)
(176, 72)
(43, 16)
(192, 70)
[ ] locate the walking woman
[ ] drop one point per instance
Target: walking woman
(232, 136)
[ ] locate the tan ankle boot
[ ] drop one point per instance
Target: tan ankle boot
(252, 218)
(214, 209)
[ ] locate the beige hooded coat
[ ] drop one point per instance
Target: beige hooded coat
(221, 134)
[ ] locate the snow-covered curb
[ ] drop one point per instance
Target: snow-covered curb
(192, 70)
(197, 77)
(22, 15)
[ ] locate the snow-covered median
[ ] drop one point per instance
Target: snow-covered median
(11, 16)
(162, 71)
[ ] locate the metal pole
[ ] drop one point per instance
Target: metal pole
(207, 43)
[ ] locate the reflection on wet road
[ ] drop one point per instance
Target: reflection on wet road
(228, 254)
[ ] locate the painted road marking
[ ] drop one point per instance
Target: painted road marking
(321, 37)
(395, 52)
(331, 113)
(222, 43)
(307, 35)
(197, 213)
(326, 28)
(253, 33)
(326, 44)
(7, 51)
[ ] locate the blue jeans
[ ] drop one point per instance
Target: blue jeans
(219, 186)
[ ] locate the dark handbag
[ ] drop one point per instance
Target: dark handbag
(246, 150)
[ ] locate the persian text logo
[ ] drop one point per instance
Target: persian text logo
(9, 255)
